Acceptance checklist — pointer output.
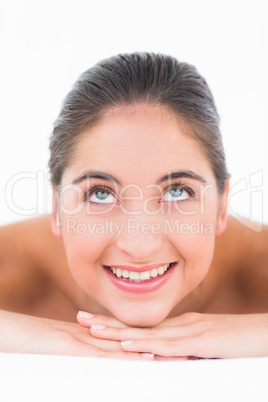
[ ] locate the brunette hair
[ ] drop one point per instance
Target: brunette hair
(129, 79)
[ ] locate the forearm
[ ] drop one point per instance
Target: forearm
(193, 334)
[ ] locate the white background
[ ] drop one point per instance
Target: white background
(46, 45)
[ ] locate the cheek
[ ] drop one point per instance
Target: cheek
(84, 243)
(195, 253)
(193, 236)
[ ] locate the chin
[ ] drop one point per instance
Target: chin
(141, 319)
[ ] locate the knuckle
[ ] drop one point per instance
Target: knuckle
(116, 331)
(102, 352)
(104, 319)
(170, 343)
(101, 319)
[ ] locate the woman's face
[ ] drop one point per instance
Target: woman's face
(139, 194)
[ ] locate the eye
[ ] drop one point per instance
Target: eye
(178, 192)
(100, 195)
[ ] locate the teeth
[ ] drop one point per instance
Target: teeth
(144, 275)
(134, 276)
(118, 272)
(153, 273)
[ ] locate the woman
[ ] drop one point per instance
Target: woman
(140, 194)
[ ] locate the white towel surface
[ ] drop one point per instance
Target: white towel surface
(39, 378)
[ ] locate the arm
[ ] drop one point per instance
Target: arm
(22, 333)
(190, 335)
(23, 283)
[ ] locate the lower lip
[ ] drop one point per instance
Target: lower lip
(142, 287)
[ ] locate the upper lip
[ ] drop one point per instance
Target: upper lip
(139, 269)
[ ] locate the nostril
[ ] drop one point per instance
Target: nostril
(140, 246)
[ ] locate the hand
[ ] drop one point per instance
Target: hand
(26, 334)
(191, 334)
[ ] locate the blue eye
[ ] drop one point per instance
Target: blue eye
(100, 196)
(177, 193)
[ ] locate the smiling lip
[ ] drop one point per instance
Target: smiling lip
(141, 287)
(138, 269)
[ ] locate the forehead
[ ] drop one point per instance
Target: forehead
(140, 142)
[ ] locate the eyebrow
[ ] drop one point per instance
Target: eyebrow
(93, 174)
(180, 174)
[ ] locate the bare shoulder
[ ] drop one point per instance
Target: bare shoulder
(28, 241)
(245, 242)
(249, 243)
(26, 250)
(238, 277)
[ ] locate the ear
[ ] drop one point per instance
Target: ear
(222, 215)
(55, 222)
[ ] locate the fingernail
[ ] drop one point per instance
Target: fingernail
(84, 314)
(125, 343)
(148, 355)
(96, 326)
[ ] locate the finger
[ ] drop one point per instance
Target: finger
(183, 319)
(107, 353)
(87, 319)
(172, 358)
(78, 349)
(84, 337)
(176, 358)
(119, 354)
(101, 343)
(120, 334)
(185, 346)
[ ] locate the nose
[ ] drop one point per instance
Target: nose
(140, 240)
